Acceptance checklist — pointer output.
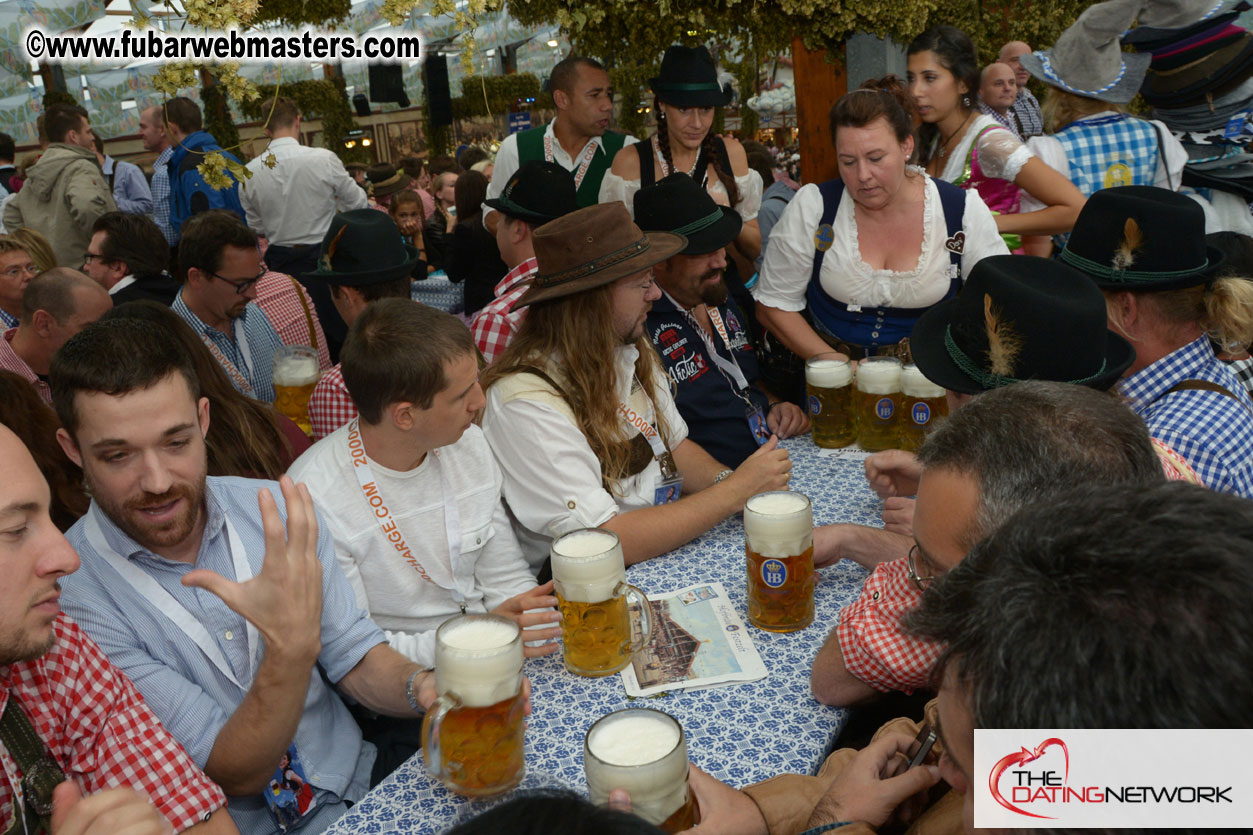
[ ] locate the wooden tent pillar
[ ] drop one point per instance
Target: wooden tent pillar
(818, 85)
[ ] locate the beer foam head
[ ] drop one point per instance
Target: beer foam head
(779, 524)
(587, 565)
(295, 370)
(915, 384)
(642, 751)
(637, 737)
(828, 373)
(478, 658)
(879, 375)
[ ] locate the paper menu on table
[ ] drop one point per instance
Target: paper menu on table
(848, 453)
(698, 641)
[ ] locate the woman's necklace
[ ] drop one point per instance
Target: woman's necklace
(665, 169)
(944, 149)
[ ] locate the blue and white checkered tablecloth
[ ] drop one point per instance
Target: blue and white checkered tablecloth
(741, 733)
(437, 291)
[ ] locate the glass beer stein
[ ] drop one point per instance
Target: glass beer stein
(472, 737)
(296, 375)
(829, 381)
(779, 541)
(924, 403)
(597, 633)
(645, 752)
(878, 403)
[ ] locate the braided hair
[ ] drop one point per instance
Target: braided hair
(707, 147)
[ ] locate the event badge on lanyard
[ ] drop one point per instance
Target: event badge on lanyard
(391, 532)
(669, 485)
(289, 797)
(730, 369)
(153, 592)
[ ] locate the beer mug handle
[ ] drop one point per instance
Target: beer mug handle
(637, 598)
(431, 727)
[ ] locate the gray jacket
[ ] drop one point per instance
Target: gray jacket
(63, 195)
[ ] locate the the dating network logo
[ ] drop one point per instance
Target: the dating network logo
(1022, 758)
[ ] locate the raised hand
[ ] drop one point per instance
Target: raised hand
(284, 600)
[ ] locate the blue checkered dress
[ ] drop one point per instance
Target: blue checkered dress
(1110, 151)
(1212, 432)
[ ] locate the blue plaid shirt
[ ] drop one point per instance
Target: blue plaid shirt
(161, 195)
(257, 363)
(1213, 432)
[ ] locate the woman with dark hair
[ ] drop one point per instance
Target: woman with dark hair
(969, 148)
(30, 418)
(685, 95)
(246, 437)
(473, 256)
(855, 261)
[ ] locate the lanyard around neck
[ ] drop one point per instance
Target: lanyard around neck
(391, 531)
(729, 367)
(155, 593)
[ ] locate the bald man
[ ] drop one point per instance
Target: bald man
(56, 304)
(997, 92)
(1026, 108)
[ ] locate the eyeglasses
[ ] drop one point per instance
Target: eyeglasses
(18, 272)
(911, 561)
(91, 256)
(241, 285)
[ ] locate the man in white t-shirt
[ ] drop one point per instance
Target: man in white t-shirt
(410, 489)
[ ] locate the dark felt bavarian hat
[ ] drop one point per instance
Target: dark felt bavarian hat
(689, 78)
(538, 192)
(1141, 238)
(677, 204)
(592, 247)
(363, 247)
(384, 179)
(1054, 315)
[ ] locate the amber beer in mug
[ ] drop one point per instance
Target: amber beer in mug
(878, 403)
(924, 404)
(472, 735)
(829, 380)
(645, 752)
(779, 541)
(296, 374)
(597, 634)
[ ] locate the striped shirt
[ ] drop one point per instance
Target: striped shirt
(191, 696)
(1213, 432)
(248, 358)
(161, 195)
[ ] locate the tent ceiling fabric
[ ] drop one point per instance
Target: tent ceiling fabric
(110, 87)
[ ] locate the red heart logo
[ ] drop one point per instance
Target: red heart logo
(957, 243)
(1020, 758)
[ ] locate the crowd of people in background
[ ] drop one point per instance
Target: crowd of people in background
(627, 354)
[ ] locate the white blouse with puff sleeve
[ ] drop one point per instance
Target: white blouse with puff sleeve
(1001, 154)
(788, 263)
(613, 187)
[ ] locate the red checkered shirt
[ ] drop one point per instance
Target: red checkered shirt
(10, 361)
(497, 322)
(284, 302)
(100, 731)
(330, 405)
(875, 647)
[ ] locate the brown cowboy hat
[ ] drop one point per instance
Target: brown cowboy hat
(593, 247)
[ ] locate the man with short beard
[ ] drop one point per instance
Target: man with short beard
(701, 333)
(234, 629)
(85, 714)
